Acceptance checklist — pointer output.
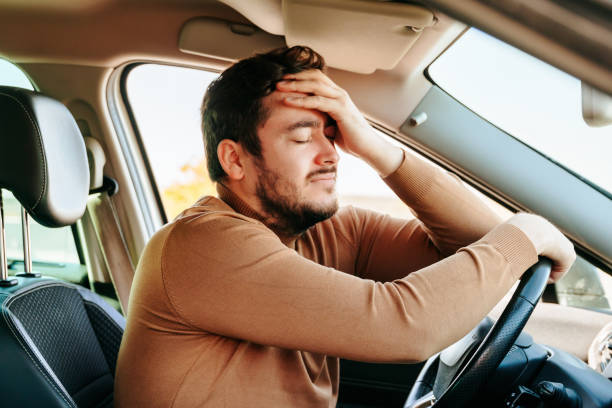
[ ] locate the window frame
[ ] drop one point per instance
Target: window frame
(138, 138)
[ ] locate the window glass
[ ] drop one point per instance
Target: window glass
(168, 119)
(53, 249)
(585, 285)
(527, 98)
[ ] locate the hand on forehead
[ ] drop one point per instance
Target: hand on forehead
(311, 82)
(277, 100)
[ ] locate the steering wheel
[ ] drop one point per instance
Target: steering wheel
(478, 363)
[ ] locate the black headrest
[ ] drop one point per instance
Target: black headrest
(42, 157)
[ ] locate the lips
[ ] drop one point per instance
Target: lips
(324, 177)
(323, 174)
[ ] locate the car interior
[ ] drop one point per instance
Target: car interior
(78, 175)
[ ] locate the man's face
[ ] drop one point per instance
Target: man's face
(296, 175)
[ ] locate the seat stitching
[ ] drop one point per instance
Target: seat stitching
(40, 151)
(40, 285)
(18, 336)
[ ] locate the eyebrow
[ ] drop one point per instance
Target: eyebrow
(304, 124)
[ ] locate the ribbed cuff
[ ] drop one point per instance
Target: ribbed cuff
(514, 245)
(413, 179)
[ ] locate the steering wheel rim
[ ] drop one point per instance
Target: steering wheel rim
(483, 361)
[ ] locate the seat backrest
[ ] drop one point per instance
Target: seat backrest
(58, 345)
(58, 341)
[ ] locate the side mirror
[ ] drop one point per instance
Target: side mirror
(596, 106)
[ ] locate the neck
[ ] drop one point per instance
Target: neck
(249, 205)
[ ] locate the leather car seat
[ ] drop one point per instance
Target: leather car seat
(58, 341)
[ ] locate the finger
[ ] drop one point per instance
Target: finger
(311, 74)
(320, 103)
(556, 276)
(562, 266)
(309, 86)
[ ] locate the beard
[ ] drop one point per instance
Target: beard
(286, 211)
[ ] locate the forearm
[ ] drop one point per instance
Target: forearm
(454, 215)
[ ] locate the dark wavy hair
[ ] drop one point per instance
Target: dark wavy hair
(232, 107)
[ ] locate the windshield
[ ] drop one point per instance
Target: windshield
(527, 98)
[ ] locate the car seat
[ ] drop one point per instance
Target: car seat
(58, 341)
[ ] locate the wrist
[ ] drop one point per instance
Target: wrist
(383, 157)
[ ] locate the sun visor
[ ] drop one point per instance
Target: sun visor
(222, 39)
(355, 35)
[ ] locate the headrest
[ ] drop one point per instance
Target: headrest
(42, 157)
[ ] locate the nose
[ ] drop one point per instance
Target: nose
(327, 154)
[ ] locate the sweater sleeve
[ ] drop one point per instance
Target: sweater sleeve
(452, 215)
(234, 277)
(449, 217)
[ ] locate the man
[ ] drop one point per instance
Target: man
(250, 298)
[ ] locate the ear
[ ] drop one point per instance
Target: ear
(230, 156)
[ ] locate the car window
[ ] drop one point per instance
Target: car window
(54, 252)
(528, 99)
(168, 119)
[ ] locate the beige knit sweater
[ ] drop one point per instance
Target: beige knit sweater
(226, 313)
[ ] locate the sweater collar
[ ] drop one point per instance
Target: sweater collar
(240, 206)
(237, 204)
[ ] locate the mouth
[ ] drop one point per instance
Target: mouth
(324, 177)
(327, 181)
